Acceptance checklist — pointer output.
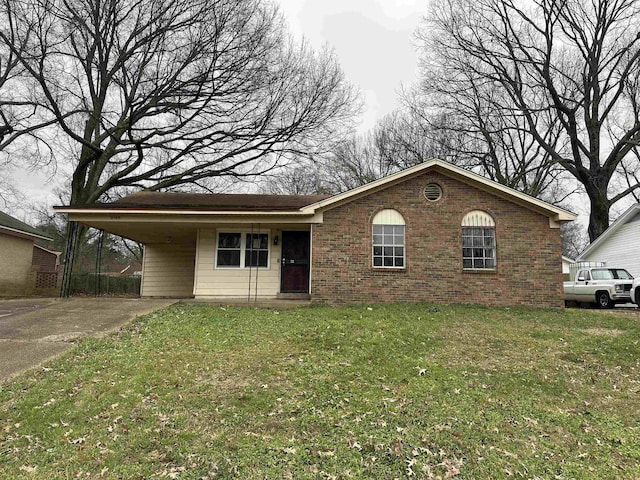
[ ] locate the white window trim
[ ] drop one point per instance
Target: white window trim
(495, 252)
(243, 243)
(381, 219)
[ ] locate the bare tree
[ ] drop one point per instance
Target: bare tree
(574, 239)
(304, 177)
(161, 93)
(483, 133)
(563, 76)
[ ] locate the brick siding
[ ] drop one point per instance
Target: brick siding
(44, 261)
(529, 270)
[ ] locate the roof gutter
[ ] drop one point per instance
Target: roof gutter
(26, 234)
(151, 211)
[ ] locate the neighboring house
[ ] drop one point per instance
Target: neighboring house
(434, 232)
(619, 245)
(566, 267)
(16, 255)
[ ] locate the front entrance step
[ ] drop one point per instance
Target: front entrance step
(293, 296)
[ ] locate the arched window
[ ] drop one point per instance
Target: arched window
(478, 241)
(388, 239)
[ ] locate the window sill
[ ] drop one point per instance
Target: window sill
(480, 271)
(241, 268)
(389, 269)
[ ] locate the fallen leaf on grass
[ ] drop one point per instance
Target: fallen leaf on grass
(355, 445)
(326, 453)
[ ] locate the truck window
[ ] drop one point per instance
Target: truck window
(622, 274)
(602, 274)
(583, 275)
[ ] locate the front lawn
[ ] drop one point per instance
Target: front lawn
(360, 392)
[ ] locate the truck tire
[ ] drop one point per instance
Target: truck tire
(603, 300)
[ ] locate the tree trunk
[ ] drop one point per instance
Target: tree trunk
(598, 219)
(596, 188)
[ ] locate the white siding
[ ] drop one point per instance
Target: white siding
(622, 249)
(235, 282)
(168, 270)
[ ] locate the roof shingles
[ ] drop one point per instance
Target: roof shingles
(11, 223)
(210, 201)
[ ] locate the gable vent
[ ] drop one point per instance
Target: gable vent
(433, 192)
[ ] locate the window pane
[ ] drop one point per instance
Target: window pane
(388, 245)
(256, 250)
(229, 240)
(257, 241)
(228, 258)
(478, 247)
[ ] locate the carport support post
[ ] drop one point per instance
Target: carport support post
(99, 261)
(69, 257)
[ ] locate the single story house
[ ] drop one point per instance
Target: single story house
(16, 255)
(619, 245)
(434, 232)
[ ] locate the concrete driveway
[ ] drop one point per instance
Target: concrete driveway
(32, 331)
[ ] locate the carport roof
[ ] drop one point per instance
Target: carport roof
(207, 202)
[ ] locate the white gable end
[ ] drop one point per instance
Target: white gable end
(622, 249)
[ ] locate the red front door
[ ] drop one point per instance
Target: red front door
(295, 262)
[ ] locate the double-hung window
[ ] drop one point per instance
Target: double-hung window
(256, 251)
(241, 249)
(388, 240)
(478, 241)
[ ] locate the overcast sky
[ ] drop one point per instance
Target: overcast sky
(372, 39)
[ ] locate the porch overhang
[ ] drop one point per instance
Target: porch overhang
(160, 226)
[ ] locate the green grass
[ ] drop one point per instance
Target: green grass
(360, 392)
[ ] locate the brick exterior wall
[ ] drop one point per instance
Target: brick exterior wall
(15, 265)
(529, 267)
(44, 261)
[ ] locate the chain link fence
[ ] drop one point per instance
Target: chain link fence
(92, 284)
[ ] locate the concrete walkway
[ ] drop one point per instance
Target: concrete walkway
(32, 331)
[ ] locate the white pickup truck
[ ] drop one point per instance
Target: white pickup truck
(602, 286)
